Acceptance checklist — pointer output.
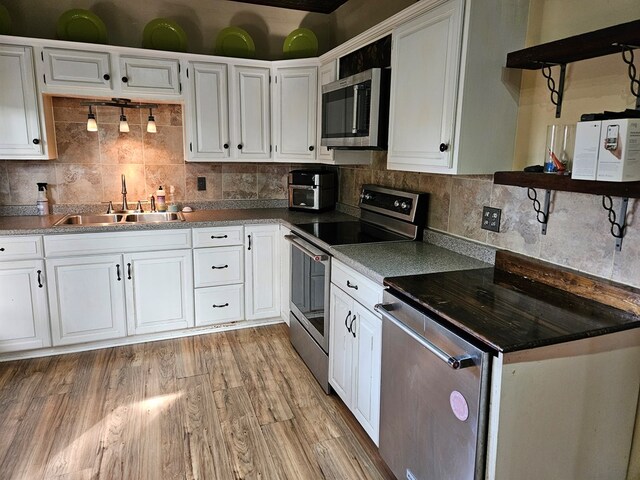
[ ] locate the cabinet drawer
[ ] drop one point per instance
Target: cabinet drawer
(365, 291)
(20, 248)
(219, 304)
(116, 242)
(217, 236)
(218, 266)
(149, 75)
(77, 69)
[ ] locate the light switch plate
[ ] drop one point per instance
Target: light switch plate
(491, 218)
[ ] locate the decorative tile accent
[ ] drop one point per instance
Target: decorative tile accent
(75, 144)
(112, 183)
(69, 110)
(467, 199)
(165, 115)
(439, 189)
(239, 181)
(23, 177)
(519, 229)
(164, 147)
(347, 186)
(165, 175)
(79, 183)
(213, 174)
(272, 181)
(116, 147)
(578, 234)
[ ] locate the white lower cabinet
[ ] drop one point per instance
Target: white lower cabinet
(262, 271)
(86, 298)
(24, 316)
(159, 291)
(355, 341)
(217, 305)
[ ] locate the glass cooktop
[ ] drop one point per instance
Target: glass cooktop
(346, 233)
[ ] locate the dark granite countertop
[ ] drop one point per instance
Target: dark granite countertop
(509, 312)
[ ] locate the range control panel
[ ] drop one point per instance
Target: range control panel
(395, 203)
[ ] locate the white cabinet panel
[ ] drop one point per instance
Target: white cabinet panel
(262, 271)
(86, 298)
(151, 76)
(365, 291)
(24, 316)
(295, 113)
(250, 109)
(20, 248)
(218, 266)
(340, 343)
(77, 69)
(208, 120)
(423, 97)
(285, 274)
(21, 130)
(218, 236)
(159, 288)
(217, 305)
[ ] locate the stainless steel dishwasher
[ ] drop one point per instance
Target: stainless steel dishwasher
(434, 397)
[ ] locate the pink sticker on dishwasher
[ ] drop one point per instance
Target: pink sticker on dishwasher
(459, 405)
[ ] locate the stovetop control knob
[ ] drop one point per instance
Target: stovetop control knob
(404, 206)
(396, 203)
(368, 196)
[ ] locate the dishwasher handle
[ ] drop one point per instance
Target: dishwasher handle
(455, 363)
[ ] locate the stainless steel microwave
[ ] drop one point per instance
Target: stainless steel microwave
(355, 111)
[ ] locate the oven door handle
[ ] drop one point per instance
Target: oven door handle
(318, 256)
(455, 363)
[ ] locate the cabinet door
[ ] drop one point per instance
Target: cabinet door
(341, 316)
(86, 298)
(150, 76)
(77, 69)
(208, 122)
(327, 73)
(24, 317)
(20, 129)
(295, 115)
(367, 334)
(159, 288)
(250, 109)
(425, 61)
(262, 272)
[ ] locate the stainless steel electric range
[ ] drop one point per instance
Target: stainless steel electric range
(387, 215)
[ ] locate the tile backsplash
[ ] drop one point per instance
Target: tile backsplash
(89, 164)
(578, 234)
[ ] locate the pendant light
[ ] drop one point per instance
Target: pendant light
(151, 124)
(92, 125)
(124, 125)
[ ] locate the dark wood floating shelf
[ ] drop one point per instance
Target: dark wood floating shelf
(579, 47)
(564, 183)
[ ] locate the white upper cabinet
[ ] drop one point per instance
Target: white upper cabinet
(250, 102)
(151, 76)
(452, 110)
(294, 116)
(22, 127)
(77, 69)
(70, 71)
(207, 120)
(327, 73)
(228, 112)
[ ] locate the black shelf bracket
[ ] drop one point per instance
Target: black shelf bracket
(617, 228)
(628, 58)
(556, 94)
(542, 212)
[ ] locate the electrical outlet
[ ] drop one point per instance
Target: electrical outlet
(202, 183)
(491, 218)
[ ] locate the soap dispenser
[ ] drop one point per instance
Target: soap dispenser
(161, 202)
(43, 202)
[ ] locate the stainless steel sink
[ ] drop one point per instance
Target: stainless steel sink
(115, 218)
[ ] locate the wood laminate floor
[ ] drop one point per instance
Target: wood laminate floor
(232, 405)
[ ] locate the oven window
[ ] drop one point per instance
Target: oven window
(302, 197)
(307, 288)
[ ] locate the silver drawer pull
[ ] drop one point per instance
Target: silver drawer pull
(220, 306)
(351, 285)
(453, 362)
(213, 267)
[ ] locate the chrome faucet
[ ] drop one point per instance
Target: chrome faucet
(125, 206)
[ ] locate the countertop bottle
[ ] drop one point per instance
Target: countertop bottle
(172, 206)
(42, 202)
(161, 202)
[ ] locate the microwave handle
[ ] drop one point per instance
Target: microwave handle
(354, 128)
